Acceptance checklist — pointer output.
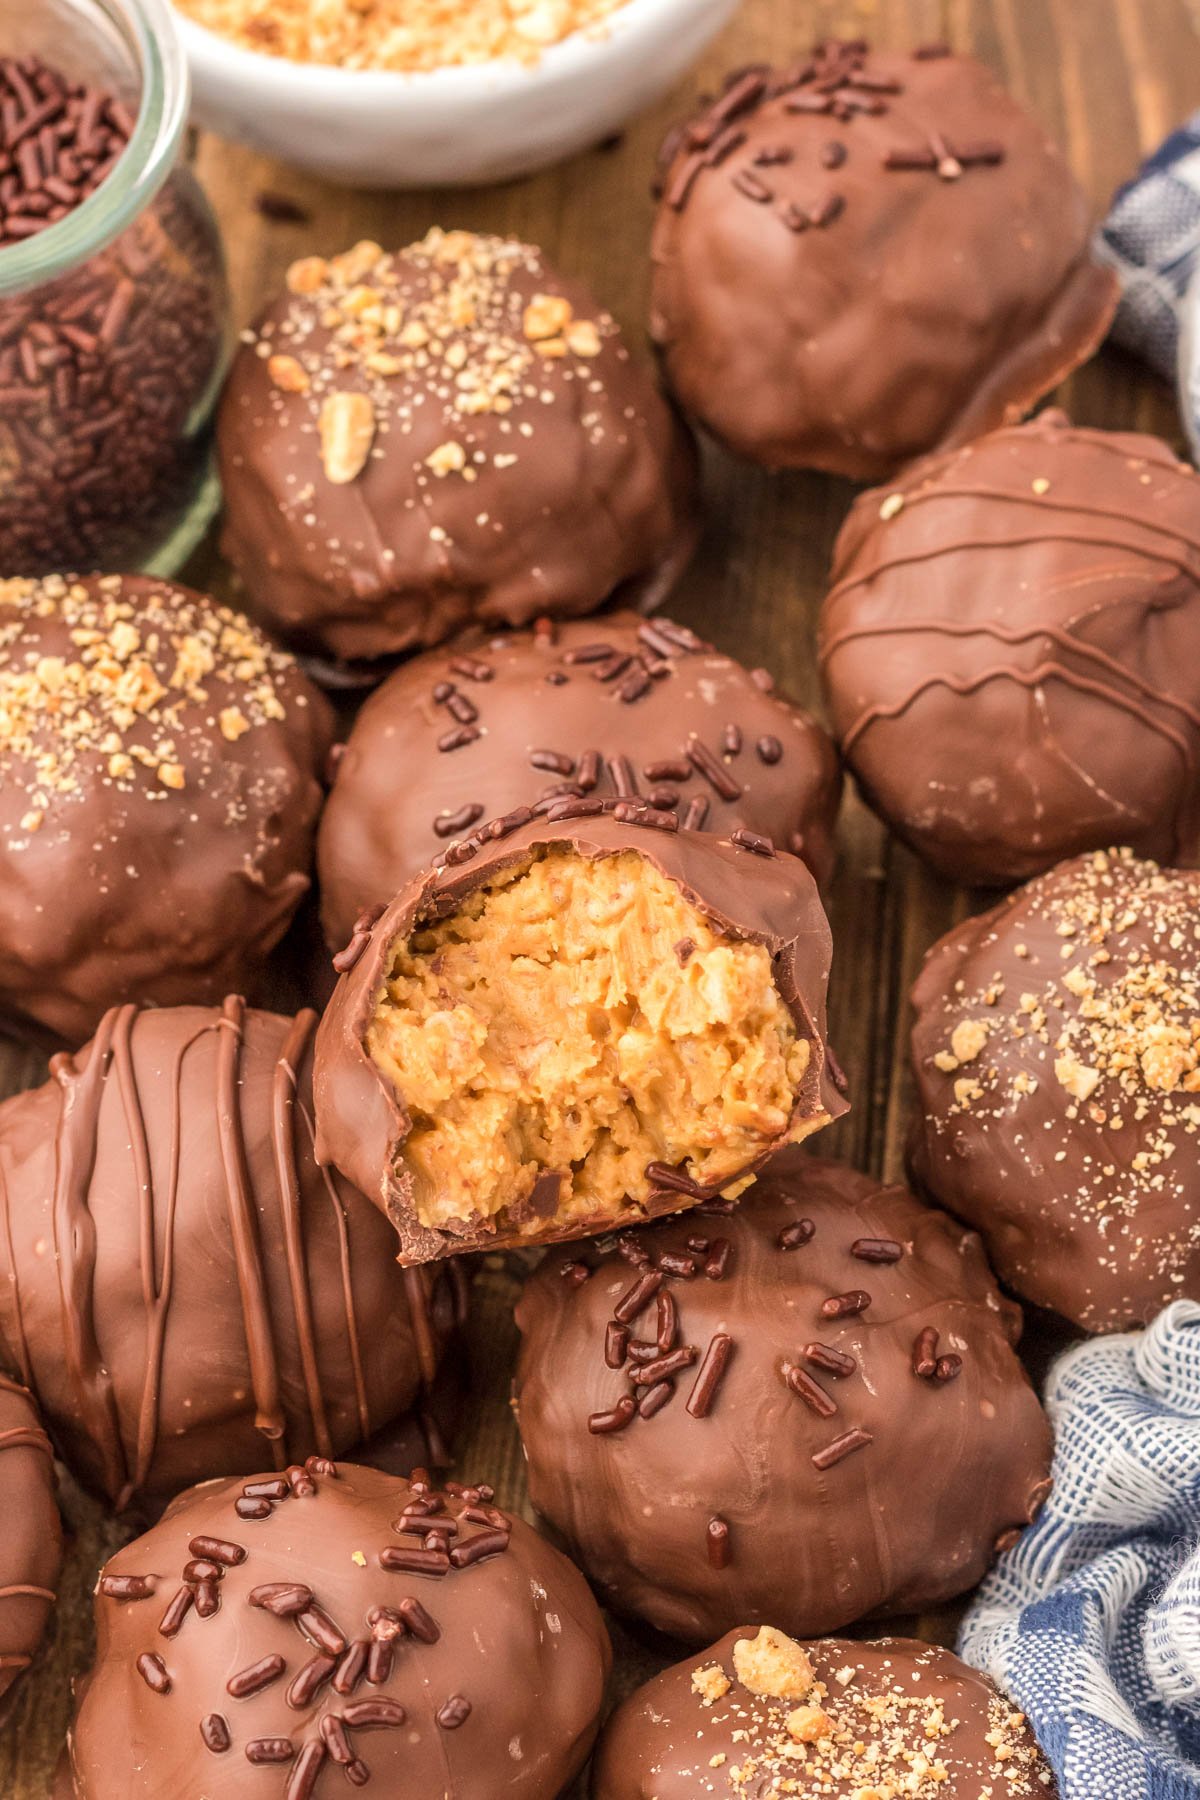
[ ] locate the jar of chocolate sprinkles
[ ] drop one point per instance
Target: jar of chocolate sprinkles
(114, 307)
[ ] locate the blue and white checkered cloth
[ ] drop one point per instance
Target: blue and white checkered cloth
(1092, 1623)
(1152, 238)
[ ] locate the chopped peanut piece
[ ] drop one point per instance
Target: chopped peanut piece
(347, 432)
(773, 1663)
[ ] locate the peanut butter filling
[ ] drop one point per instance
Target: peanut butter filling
(580, 1016)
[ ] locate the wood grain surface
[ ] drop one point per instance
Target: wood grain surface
(1109, 78)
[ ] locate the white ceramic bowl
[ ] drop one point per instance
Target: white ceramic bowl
(375, 128)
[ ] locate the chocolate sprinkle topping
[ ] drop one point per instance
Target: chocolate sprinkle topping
(842, 1447)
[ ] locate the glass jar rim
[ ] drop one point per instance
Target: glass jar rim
(148, 29)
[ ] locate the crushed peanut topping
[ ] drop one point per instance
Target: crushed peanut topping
(1110, 1021)
(711, 1684)
(455, 335)
(400, 34)
(773, 1663)
(119, 697)
(867, 1732)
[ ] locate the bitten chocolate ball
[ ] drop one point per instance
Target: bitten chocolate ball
(31, 1541)
(159, 794)
(613, 707)
(759, 1713)
(1011, 651)
(864, 256)
(1058, 1075)
(805, 1410)
(185, 1291)
(278, 1638)
(576, 1023)
(450, 433)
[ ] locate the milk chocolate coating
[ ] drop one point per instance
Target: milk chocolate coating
(305, 1654)
(599, 707)
(183, 1289)
(867, 255)
(159, 793)
(663, 1742)
(1057, 1076)
(875, 1489)
(31, 1539)
(768, 899)
(1011, 650)
(511, 475)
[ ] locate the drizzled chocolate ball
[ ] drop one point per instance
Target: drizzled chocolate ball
(575, 1023)
(613, 707)
(759, 1713)
(31, 1542)
(805, 1410)
(865, 255)
(159, 793)
(1058, 1075)
(1010, 650)
(185, 1291)
(282, 1637)
(453, 432)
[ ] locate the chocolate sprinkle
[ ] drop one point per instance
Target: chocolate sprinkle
(810, 1391)
(616, 1419)
(655, 1398)
(877, 1250)
(709, 1376)
(616, 1343)
(255, 1677)
(153, 1671)
(924, 1353)
(716, 1538)
(453, 1712)
(841, 1306)
(214, 1731)
(842, 1447)
(834, 1362)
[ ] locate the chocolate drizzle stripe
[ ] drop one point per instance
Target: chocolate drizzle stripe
(287, 1182)
(22, 1342)
(1173, 533)
(74, 1234)
(1045, 671)
(23, 1437)
(1031, 679)
(243, 1226)
(156, 1289)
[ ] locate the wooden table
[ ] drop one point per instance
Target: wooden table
(1109, 78)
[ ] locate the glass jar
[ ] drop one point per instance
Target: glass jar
(114, 320)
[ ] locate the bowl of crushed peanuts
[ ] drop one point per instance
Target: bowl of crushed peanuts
(415, 93)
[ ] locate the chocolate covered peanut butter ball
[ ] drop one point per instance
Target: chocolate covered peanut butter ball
(862, 256)
(805, 1410)
(1011, 651)
(577, 1022)
(31, 1540)
(159, 792)
(185, 1291)
(611, 707)
(452, 432)
(759, 1713)
(1057, 1059)
(331, 1628)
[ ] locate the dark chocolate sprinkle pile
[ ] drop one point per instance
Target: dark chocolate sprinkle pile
(100, 369)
